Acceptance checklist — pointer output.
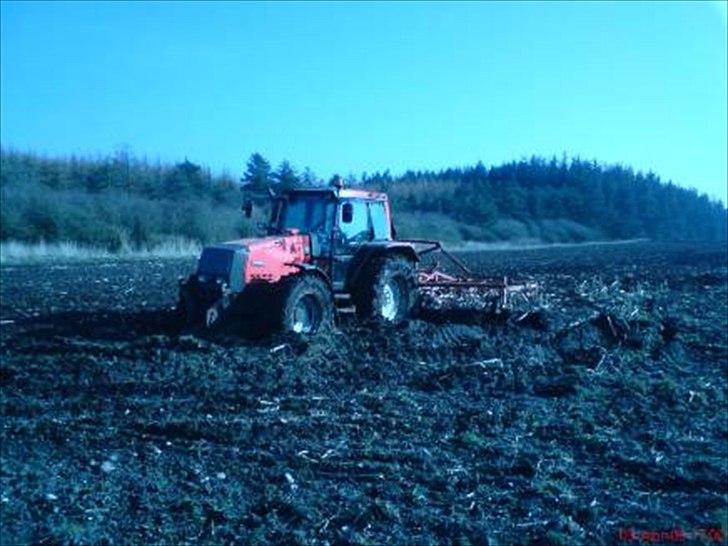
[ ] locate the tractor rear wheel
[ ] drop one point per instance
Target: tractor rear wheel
(388, 290)
(307, 305)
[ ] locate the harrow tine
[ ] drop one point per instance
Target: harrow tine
(444, 289)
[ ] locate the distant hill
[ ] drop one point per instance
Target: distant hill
(121, 201)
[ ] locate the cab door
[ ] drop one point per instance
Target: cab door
(379, 221)
(353, 229)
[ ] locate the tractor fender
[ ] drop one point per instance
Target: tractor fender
(312, 269)
(369, 251)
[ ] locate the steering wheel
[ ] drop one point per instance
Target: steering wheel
(361, 237)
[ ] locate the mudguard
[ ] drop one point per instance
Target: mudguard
(313, 270)
(375, 249)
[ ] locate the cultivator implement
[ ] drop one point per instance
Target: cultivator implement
(462, 288)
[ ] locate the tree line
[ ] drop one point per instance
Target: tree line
(611, 201)
(123, 200)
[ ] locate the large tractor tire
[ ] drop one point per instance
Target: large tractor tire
(189, 311)
(387, 290)
(307, 305)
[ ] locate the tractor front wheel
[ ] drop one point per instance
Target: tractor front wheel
(188, 308)
(388, 290)
(308, 305)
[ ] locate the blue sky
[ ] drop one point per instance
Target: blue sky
(352, 87)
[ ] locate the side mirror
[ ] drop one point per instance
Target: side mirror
(347, 213)
(248, 208)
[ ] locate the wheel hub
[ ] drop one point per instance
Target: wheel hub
(306, 315)
(392, 298)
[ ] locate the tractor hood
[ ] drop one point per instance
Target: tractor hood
(272, 242)
(244, 261)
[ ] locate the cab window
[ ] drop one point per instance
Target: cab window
(306, 213)
(378, 217)
(354, 222)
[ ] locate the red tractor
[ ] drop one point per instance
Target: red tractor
(328, 250)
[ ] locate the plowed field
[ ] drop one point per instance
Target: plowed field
(602, 411)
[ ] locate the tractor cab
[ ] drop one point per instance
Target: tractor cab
(351, 216)
(338, 221)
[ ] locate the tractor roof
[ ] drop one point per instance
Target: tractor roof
(344, 193)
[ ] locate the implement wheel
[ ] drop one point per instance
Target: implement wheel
(388, 290)
(307, 306)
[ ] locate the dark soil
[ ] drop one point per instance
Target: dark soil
(602, 409)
